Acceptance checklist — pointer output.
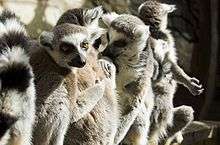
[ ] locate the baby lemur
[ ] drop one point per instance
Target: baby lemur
(74, 94)
(155, 15)
(127, 36)
(17, 91)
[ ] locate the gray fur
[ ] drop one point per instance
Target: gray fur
(135, 69)
(79, 101)
(155, 14)
(84, 17)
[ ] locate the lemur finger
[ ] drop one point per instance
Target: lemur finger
(104, 68)
(195, 80)
(201, 91)
(197, 92)
(197, 86)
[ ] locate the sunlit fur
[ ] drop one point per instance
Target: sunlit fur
(129, 52)
(17, 90)
(78, 103)
(155, 15)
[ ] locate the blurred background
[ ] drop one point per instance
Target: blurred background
(195, 26)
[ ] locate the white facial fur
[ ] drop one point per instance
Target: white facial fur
(74, 39)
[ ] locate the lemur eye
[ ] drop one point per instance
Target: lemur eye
(67, 48)
(92, 19)
(120, 43)
(84, 45)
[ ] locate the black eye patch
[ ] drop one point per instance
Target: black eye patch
(120, 43)
(97, 43)
(67, 48)
(108, 37)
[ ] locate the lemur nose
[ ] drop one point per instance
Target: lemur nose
(6, 121)
(78, 61)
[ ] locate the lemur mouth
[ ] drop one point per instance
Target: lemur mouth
(76, 64)
(6, 121)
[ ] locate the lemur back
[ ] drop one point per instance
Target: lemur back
(17, 91)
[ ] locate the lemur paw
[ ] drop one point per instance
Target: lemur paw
(195, 87)
(108, 68)
(179, 137)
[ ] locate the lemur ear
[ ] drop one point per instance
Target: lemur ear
(94, 34)
(108, 18)
(46, 39)
(142, 30)
(169, 8)
(94, 13)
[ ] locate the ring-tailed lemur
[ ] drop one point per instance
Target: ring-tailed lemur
(155, 14)
(73, 91)
(127, 39)
(17, 91)
(88, 18)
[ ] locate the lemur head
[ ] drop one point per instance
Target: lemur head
(85, 17)
(127, 36)
(82, 17)
(155, 14)
(68, 44)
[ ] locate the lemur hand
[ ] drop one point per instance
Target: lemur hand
(108, 67)
(194, 86)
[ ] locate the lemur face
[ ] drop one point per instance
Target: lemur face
(88, 18)
(127, 35)
(72, 50)
(155, 14)
(68, 44)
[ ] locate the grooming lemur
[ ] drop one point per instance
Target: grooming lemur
(17, 91)
(155, 15)
(135, 68)
(74, 94)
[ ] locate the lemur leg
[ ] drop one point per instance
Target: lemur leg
(139, 96)
(138, 133)
(43, 133)
(126, 122)
(183, 116)
(161, 118)
(181, 77)
(53, 125)
(59, 132)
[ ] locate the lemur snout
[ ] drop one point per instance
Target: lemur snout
(6, 121)
(78, 61)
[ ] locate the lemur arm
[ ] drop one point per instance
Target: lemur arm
(181, 77)
(137, 92)
(87, 100)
